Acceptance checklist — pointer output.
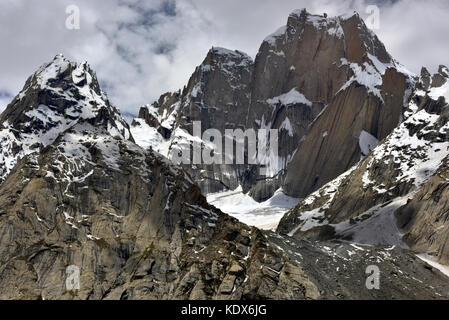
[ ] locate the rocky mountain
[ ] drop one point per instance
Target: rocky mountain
(363, 141)
(396, 195)
(326, 84)
(54, 98)
(364, 110)
(136, 225)
(346, 75)
(216, 94)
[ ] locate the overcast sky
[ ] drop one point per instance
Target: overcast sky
(141, 49)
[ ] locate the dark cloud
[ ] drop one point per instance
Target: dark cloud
(140, 49)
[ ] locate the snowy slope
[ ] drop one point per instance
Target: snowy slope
(265, 215)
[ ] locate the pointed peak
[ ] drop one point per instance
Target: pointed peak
(348, 16)
(425, 72)
(59, 63)
(58, 60)
(300, 12)
(61, 70)
(61, 86)
(219, 51)
(59, 56)
(443, 70)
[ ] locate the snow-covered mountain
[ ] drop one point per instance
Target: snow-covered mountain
(359, 134)
(135, 225)
(55, 98)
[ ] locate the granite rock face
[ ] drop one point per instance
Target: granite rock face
(424, 218)
(395, 195)
(321, 82)
(347, 68)
(217, 96)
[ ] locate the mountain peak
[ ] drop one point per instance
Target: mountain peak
(64, 86)
(304, 13)
(55, 98)
(62, 69)
(444, 71)
(358, 40)
(227, 56)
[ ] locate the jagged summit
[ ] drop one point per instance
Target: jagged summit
(219, 51)
(217, 94)
(442, 69)
(359, 41)
(436, 85)
(57, 96)
(58, 69)
(64, 86)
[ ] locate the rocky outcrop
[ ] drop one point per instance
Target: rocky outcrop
(141, 230)
(424, 219)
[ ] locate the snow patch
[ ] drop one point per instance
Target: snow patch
(367, 142)
(271, 39)
(265, 215)
(432, 261)
(443, 91)
(291, 97)
(366, 75)
(286, 125)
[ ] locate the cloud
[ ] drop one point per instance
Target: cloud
(141, 49)
(5, 98)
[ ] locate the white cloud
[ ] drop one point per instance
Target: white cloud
(4, 102)
(140, 49)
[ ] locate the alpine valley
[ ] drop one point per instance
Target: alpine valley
(360, 179)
